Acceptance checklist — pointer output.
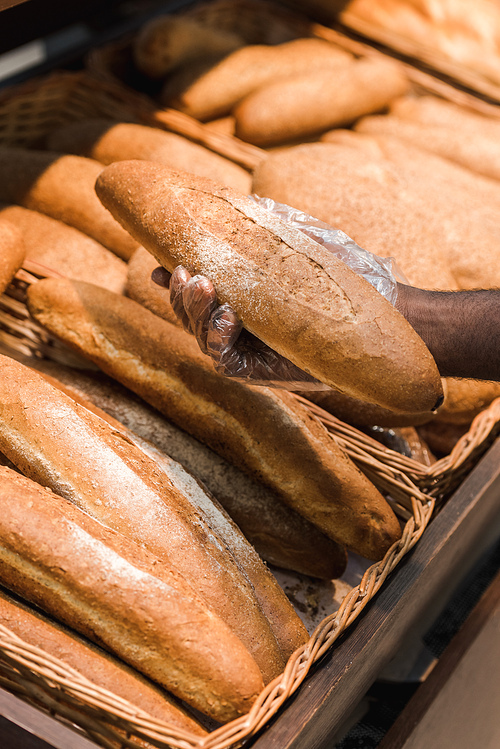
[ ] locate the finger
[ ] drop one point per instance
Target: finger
(200, 300)
(223, 332)
(161, 277)
(179, 279)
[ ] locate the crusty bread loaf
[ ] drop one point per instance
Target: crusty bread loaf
(92, 663)
(287, 289)
(141, 288)
(287, 628)
(59, 444)
(107, 141)
(473, 149)
(57, 247)
(374, 201)
(61, 186)
(169, 41)
(464, 399)
(281, 536)
(317, 100)
(215, 92)
(122, 597)
(12, 251)
(263, 431)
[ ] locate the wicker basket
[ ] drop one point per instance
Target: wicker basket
(26, 115)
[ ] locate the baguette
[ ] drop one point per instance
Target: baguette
(12, 251)
(216, 92)
(59, 444)
(65, 250)
(121, 597)
(166, 42)
(262, 431)
(307, 105)
(107, 141)
(281, 536)
(312, 309)
(90, 662)
(62, 187)
(286, 626)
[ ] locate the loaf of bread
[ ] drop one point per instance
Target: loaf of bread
(12, 251)
(61, 186)
(263, 431)
(166, 42)
(281, 536)
(63, 446)
(286, 626)
(62, 249)
(107, 141)
(475, 147)
(287, 289)
(122, 597)
(317, 100)
(464, 399)
(390, 206)
(220, 87)
(100, 668)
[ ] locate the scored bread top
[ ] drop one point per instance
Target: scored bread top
(287, 289)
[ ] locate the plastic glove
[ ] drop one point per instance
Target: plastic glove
(220, 334)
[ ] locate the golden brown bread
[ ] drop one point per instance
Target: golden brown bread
(215, 92)
(281, 536)
(61, 186)
(474, 147)
(93, 663)
(115, 593)
(308, 104)
(168, 41)
(263, 431)
(390, 207)
(287, 289)
(464, 399)
(107, 141)
(12, 251)
(108, 476)
(286, 627)
(57, 247)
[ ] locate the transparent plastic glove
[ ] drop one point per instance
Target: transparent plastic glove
(235, 352)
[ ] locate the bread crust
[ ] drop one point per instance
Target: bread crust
(61, 445)
(107, 141)
(263, 431)
(114, 592)
(61, 186)
(92, 663)
(286, 288)
(281, 536)
(63, 249)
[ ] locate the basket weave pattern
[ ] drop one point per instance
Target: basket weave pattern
(26, 115)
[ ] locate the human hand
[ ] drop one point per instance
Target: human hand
(234, 351)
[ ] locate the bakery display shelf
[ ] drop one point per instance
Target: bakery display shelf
(305, 707)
